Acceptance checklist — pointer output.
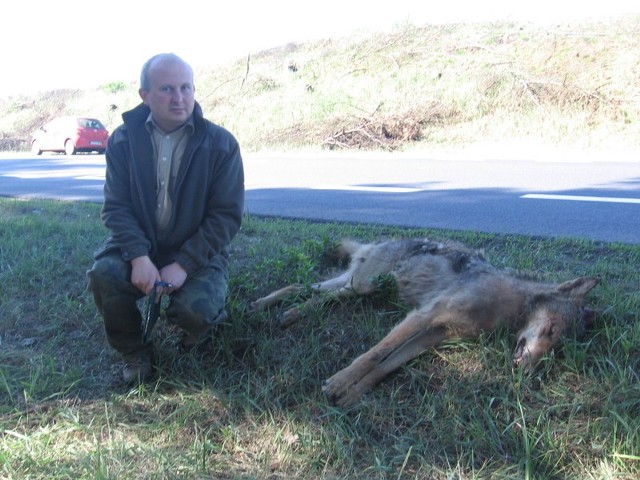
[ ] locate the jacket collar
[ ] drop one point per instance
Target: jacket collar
(139, 115)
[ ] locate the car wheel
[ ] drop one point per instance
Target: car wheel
(35, 148)
(69, 147)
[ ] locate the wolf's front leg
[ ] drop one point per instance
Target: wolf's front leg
(297, 312)
(274, 297)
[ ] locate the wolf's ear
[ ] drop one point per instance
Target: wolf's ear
(578, 287)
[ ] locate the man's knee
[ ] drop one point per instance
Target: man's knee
(108, 271)
(199, 304)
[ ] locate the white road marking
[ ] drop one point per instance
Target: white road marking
(90, 173)
(579, 198)
(366, 188)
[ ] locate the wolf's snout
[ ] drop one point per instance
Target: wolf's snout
(521, 354)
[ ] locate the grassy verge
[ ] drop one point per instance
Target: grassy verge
(250, 406)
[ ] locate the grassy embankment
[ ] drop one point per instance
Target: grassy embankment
(438, 86)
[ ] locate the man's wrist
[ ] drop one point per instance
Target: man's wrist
(140, 259)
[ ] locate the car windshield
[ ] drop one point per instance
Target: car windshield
(90, 123)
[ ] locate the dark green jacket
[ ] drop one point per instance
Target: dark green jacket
(208, 197)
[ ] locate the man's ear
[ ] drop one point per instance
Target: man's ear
(143, 95)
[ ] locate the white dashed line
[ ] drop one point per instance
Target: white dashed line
(579, 198)
(365, 188)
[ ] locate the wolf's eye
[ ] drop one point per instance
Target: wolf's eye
(548, 331)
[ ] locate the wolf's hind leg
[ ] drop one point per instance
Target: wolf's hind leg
(418, 332)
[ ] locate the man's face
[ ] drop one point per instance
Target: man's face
(171, 93)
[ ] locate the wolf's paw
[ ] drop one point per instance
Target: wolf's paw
(289, 317)
(341, 389)
(254, 307)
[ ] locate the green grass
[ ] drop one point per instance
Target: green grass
(251, 405)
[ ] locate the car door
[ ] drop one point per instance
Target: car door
(54, 132)
(44, 136)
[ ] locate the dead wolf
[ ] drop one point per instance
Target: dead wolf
(455, 294)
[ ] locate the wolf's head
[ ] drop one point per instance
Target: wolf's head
(550, 317)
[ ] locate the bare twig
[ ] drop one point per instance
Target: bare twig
(246, 74)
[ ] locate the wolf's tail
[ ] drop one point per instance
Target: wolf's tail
(347, 247)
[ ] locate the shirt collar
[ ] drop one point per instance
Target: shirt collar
(150, 124)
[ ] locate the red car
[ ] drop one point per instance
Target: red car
(70, 135)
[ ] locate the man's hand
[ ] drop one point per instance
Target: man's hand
(144, 274)
(173, 274)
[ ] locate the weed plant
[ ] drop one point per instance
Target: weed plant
(250, 405)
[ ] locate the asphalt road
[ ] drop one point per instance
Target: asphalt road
(571, 196)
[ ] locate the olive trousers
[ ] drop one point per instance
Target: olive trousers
(195, 307)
